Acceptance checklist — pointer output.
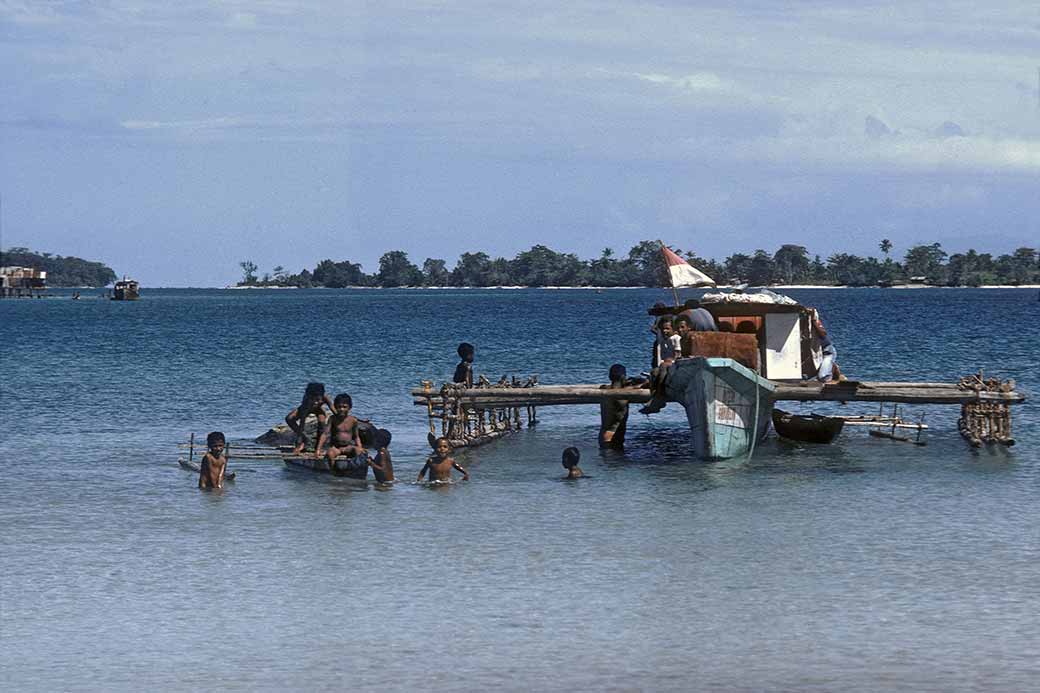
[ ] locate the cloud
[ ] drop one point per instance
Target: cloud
(696, 82)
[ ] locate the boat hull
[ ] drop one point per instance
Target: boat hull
(728, 405)
(349, 467)
(807, 429)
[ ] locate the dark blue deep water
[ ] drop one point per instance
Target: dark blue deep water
(861, 566)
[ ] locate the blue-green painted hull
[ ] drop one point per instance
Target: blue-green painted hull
(727, 405)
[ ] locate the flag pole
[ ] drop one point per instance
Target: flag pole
(675, 293)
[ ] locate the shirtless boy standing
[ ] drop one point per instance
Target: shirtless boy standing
(382, 466)
(342, 432)
(464, 371)
(440, 463)
(314, 399)
(214, 463)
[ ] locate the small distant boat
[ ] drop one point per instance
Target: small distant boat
(811, 428)
(126, 290)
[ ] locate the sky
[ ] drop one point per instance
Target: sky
(173, 140)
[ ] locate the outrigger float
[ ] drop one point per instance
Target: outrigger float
(729, 385)
(349, 467)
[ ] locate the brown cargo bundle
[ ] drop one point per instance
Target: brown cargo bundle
(742, 348)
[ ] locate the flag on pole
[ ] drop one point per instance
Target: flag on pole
(683, 273)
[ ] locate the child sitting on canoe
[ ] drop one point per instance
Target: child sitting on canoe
(440, 463)
(382, 466)
(571, 456)
(214, 463)
(342, 432)
(314, 402)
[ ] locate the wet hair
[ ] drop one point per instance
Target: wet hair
(215, 437)
(314, 391)
(571, 456)
(438, 442)
(466, 349)
(381, 438)
(617, 372)
(343, 398)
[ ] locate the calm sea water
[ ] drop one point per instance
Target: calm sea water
(860, 566)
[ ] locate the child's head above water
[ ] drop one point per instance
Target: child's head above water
(617, 372)
(442, 446)
(381, 438)
(215, 439)
(466, 351)
(570, 457)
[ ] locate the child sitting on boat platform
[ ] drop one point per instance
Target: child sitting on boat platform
(342, 432)
(571, 456)
(314, 401)
(440, 463)
(668, 347)
(382, 466)
(464, 371)
(214, 463)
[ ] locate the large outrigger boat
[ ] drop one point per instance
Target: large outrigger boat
(726, 379)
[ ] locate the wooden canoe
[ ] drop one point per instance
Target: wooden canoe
(811, 428)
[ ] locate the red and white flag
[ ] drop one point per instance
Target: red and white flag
(683, 273)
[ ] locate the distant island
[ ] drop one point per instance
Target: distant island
(61, 271)
(789, 265)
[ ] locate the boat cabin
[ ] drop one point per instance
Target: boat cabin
(126, 290)
(782, 329)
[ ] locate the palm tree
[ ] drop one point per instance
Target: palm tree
(885, 245)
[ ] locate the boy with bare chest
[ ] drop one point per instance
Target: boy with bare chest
(441, 463)
(342, 432)
(214, 463)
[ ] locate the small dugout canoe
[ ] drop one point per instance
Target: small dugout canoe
(349, 467)
(811, 428)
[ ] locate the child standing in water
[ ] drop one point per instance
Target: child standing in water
(441, 463)
(464, 371)
(382, 466)
(570, 463)
(214, 463)
(314, 402)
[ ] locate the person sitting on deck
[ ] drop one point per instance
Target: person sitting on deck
(382, 466)
(342, 433)
(667, 349)
(214, 463)
(440, 463)
(613, 413)
(571, 456)
(314, 401)
(464, 371)
(828, 365)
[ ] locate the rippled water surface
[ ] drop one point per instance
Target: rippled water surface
(860, 566)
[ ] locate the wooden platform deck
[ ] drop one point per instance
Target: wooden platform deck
(849, 391)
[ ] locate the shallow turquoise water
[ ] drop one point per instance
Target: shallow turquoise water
(864, 565)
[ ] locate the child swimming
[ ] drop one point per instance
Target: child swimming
(441, 463)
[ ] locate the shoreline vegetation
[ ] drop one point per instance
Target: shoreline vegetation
(62, 272)
(789, 267)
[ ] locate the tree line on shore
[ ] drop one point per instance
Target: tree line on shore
(61, 271)
(643, 266)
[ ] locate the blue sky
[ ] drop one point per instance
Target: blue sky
(172, 140)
